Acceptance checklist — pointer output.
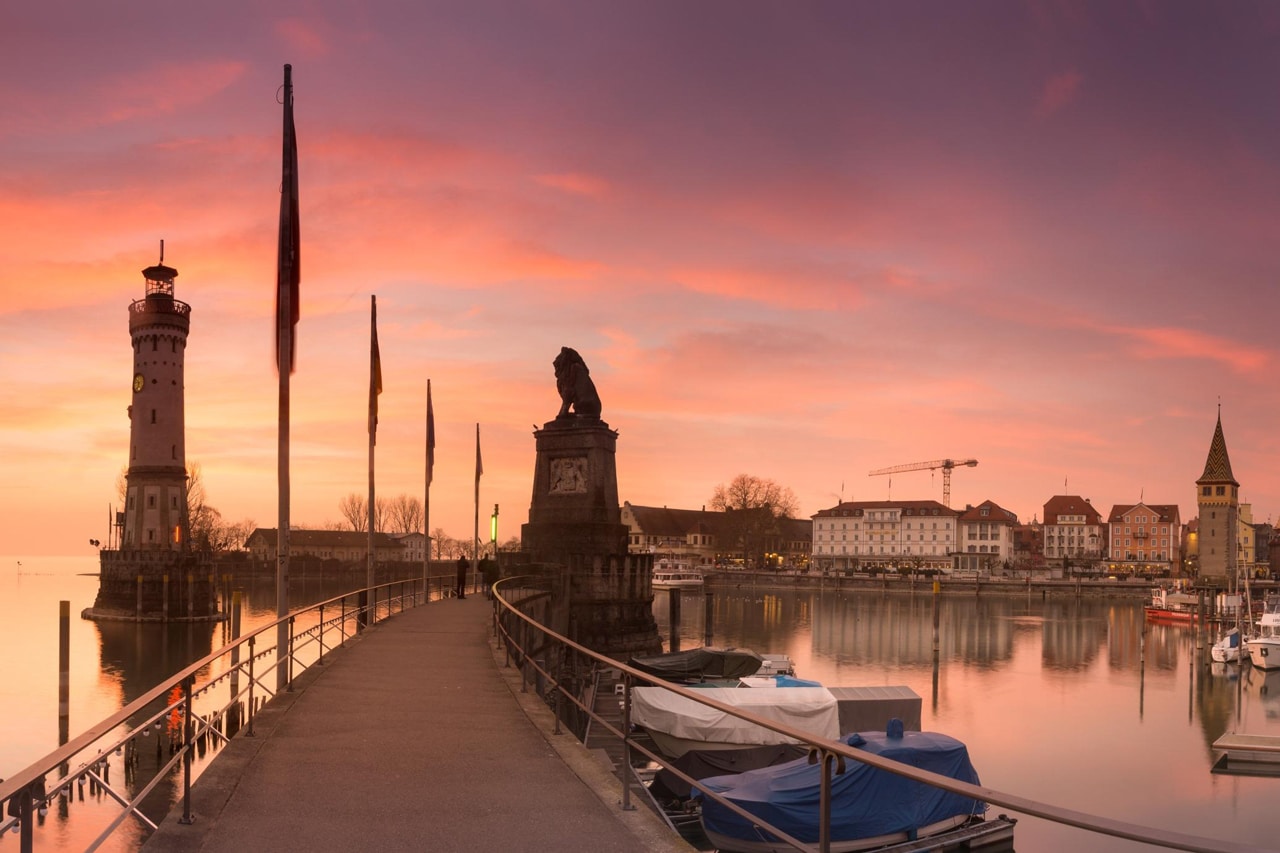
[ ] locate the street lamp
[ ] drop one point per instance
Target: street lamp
(493, 531)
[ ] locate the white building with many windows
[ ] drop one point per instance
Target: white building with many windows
(986, 538)
(881, 535)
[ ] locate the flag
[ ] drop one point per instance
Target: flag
(375, 370)
(479, 464)
(287, 259)
(431, 437)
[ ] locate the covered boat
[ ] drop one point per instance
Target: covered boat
(677, 724)
(700, 664)
(870, 808)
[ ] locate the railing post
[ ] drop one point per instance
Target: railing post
(188, 747)
(825, 758)
(624, 771)
(252, 682)
(320, 640)
(289, 673)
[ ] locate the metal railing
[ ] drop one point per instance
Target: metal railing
(234, 683)
(543, 655)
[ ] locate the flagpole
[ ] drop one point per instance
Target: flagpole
(475, 534)
(375, 388)
(426, 500)
(287, 305)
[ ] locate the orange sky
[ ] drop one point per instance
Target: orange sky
(799, 241)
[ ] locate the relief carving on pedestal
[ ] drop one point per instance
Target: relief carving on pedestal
(569, 476)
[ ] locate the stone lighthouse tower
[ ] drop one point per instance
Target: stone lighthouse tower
(154, 574)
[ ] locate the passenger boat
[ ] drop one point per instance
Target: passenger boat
(870, 809)
(1171, 606)
(669, 574)
(1264, 649)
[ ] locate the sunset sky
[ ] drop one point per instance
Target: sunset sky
(797, 240)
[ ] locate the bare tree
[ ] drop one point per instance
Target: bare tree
(405, 514)
(440, 540)
(355, 511)
(752, 507)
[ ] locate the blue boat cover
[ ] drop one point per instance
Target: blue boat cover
(865, 801)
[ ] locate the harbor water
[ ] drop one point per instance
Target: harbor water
(1072, 701)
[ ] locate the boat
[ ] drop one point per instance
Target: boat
(870, 809)
(1264, 648)
(677, 725)
(1171, 606)
(671, 574)
(1227, 649)
(700, 664)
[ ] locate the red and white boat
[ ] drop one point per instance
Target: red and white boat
(1171, 606)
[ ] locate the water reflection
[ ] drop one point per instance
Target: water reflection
(1072, 701)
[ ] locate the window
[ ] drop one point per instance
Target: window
(151, 501)
(1221, 490)
(1206, 491)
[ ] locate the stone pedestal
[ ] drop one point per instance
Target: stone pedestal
(575, 525)
(154, 586)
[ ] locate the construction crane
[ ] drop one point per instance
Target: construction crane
(945, 464)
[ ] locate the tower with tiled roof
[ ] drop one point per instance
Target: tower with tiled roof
(1218, 501)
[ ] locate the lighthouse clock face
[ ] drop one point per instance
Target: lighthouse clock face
(137, 382)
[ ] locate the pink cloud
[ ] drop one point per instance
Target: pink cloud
(1059, 91)
(164, 89)
(1188, 343)
(303, 36)
(575, 183)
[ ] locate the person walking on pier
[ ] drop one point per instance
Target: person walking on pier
(462, 577)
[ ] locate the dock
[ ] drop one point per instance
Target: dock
(1248, 755)
(415, 736)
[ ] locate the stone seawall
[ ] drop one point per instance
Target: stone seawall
(947, 585)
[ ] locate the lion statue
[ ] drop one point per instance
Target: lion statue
(573, 381)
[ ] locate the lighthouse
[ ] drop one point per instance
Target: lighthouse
(154, 575)
(155, 510)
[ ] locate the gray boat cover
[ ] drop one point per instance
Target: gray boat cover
(699, 664)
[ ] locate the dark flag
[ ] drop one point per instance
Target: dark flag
(287, 266)
(375, 370)
(479, 464)
(431, 437)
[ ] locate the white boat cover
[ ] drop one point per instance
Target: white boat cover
(810, 709)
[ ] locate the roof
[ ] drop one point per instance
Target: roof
(1217, 467)
(1166, 512)
(325, 538)
(1060, 505)
(859, 508)
(995, 512)
(663, 521)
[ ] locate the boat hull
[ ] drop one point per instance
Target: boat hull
(1264, 652)
(1169, 616)
(970, 834)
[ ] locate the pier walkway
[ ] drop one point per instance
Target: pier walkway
(413, 737)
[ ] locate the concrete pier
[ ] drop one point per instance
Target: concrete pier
(414, 737)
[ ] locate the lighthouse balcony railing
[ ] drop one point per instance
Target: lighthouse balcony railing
(159, 306)
(559, 669)
(183, 721)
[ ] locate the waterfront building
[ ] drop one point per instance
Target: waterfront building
(684, 535)
(1218, 502)
(882, 535)
(986, 539)
(1144, 539)
(1074, 535)
(345, 546)
(414, 546)
(704, 538)
(153, 573)
(1028, 546)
